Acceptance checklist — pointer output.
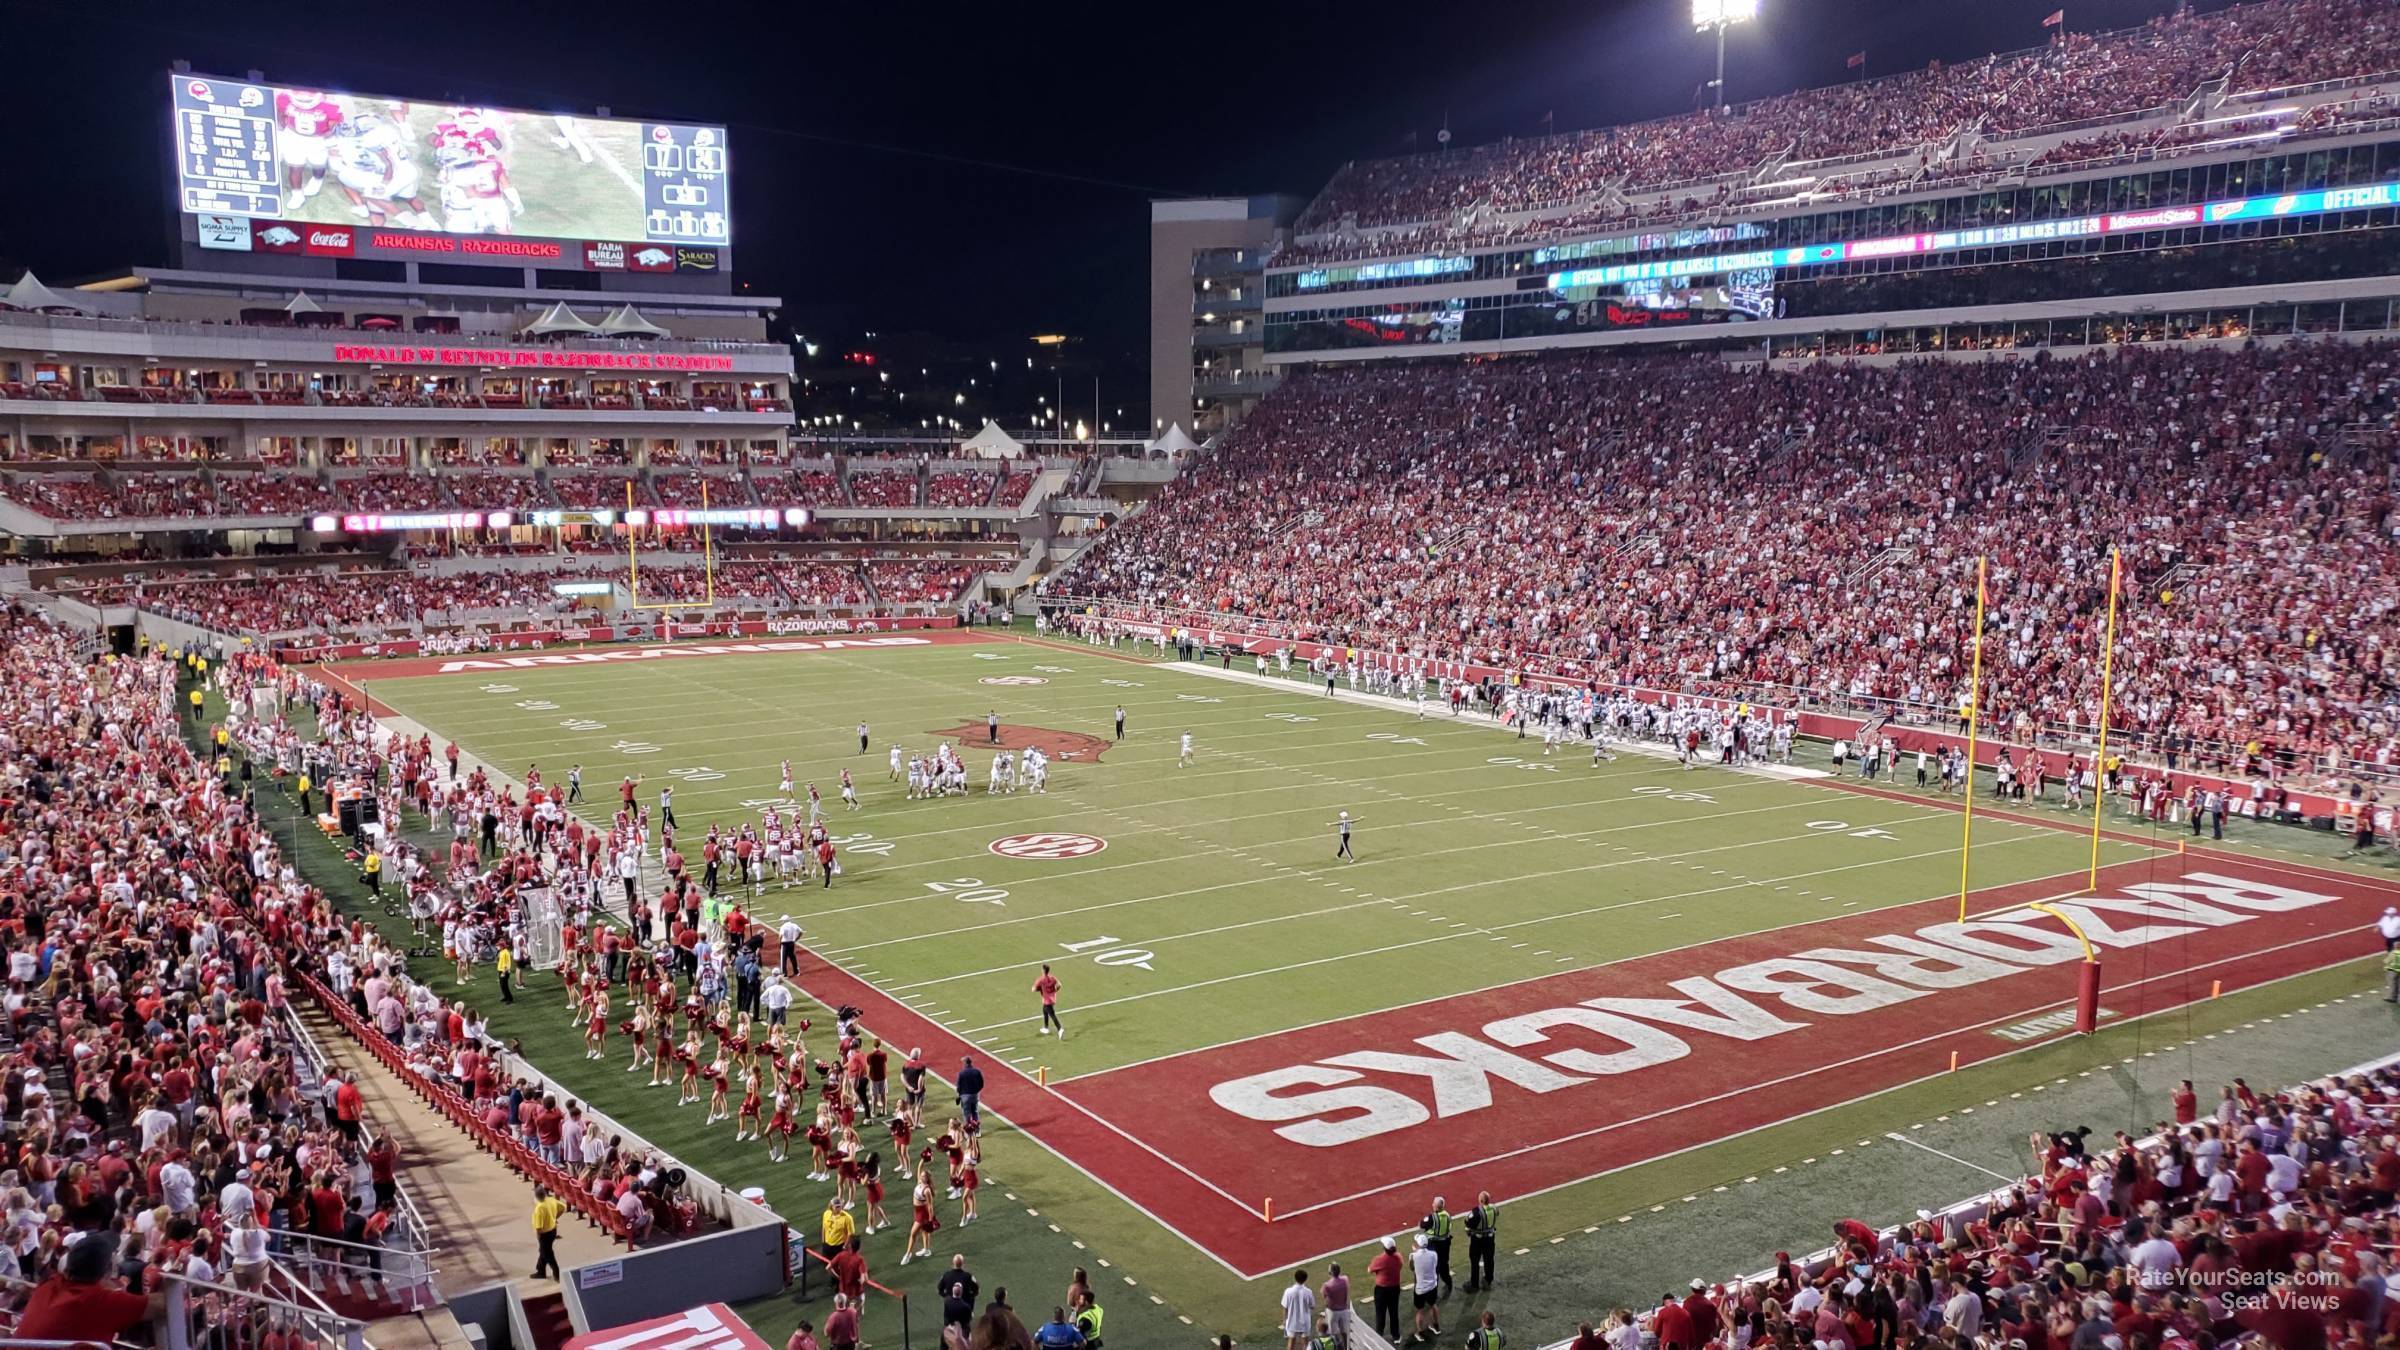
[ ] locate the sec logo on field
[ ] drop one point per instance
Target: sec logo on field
(1012, 679)
(1049, 847)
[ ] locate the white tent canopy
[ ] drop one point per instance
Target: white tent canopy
(992, 443)
(626, 321)
(559, 319)
(30, 293)
(301, 304)
(1177, 441)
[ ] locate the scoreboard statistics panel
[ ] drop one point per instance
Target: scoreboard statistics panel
(259, 164)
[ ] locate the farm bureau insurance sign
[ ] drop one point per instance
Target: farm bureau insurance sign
(361, 353)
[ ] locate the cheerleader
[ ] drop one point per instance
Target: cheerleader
(902, 1128)
(595, 1032)
(871, 1179)
(849, 1166)
(820, 1138)
(663, 1050)
(779, 1128)
(717, 1091)
(954, 1148)
(637, 1029)
(922, 1224)
(746, 1122)
(688, 1055)
(969, 1178)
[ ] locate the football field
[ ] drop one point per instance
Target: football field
(1536, 970)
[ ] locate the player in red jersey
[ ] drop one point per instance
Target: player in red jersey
(304, 124)
(477, 197)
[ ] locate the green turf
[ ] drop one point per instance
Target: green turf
(1221, 873)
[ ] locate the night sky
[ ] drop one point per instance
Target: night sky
(978, 172)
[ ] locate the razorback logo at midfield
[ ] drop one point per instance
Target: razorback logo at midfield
(1071, 745)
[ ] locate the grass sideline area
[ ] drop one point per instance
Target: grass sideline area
(1259, 789)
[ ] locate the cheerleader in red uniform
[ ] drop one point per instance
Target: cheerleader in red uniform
(922, 1224)
(779, 1128)
(595, 1031)
(902, 1128)
(820, 1138)
(688, 1055)
(849, 1169)
(969, 1178)
(746, 1121)
(871, 1181)
(953, 1146)
(637, 1028)
(717, 1090)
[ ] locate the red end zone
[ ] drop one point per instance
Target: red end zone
(1351, 1127)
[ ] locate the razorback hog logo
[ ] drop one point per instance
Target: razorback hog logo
(1595, 1040)
(1072, 745)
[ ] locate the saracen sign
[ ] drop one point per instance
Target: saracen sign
(387, 355)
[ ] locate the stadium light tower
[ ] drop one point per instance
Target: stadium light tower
(1716, 16)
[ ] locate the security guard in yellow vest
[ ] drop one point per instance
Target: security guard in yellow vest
(1437, 1233)
(1483, 1242)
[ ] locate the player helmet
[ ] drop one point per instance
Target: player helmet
(306, 98)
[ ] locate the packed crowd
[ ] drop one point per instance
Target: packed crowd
(1690, 525)
(952, 488)
(158, 1123)
(599, 491)
(883, 487)
(2266, 1221)
(685, 490)
(910, 583)
(387, 491)
(2269, 44)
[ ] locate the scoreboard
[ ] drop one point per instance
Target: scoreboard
(265, 168)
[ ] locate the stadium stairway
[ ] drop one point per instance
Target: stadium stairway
(546, 1317)
(477, 1211)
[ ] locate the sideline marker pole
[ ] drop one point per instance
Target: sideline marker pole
(1974, 700)
(2108, 656)
(1954, 1061)
(1270, 1209)
(2216, 988)
(1042, 1075)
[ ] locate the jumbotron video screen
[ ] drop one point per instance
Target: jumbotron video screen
(258, 164)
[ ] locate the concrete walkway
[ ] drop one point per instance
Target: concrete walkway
(477, 1210)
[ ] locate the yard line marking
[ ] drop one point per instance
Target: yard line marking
(1466, 886)
(1974, 1167)
(1170, 937)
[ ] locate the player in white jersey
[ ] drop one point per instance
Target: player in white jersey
(372, 163)
(569, 135)
(1783, 742)
(776, 856)
(895, 777)
(304, 124)
(917, 781)
(991, 785)
(1037, 770)
(784, 788)
(1184, 758)
(1550, 735)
